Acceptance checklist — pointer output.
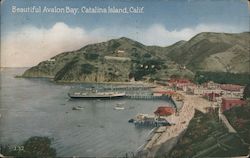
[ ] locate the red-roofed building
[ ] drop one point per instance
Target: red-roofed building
(231, 87)
(164, 111)
(228, 103)
(179, 81)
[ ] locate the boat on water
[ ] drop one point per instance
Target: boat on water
(149, 120)
(96, 94)
(119, 108)
(77, 108)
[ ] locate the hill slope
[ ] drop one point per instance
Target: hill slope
(115, 60)
(214, 52)
(122, 59)
(206, 136)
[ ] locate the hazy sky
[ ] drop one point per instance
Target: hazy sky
(28, 38)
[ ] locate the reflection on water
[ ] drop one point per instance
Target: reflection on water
(38, 107)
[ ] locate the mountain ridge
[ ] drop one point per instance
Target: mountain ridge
(124, 59)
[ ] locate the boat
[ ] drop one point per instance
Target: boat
(96, 95)
(131, 121)
(77, 108)
(119, 108)
(150, 120)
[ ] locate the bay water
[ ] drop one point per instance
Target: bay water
(40, 107)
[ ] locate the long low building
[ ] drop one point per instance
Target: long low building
(228, 103)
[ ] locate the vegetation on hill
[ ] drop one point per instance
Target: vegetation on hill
(222, 77)
(246, 92)
(210, 52)
(33, 147)
(239, 118)
(214, 52)
(115, 60)
(206, 136)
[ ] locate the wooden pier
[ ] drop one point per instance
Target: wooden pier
(146, 97)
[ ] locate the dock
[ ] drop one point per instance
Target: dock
(146, 97)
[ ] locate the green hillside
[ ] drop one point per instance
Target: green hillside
(214, 52)
(120, 60)
(115, 60)
(206, 136)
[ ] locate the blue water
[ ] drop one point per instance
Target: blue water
(39, 107)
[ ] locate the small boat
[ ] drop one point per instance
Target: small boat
(131, 121)
(120, 104)
(119, 108)
(77, 108)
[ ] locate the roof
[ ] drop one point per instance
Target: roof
(233, 101)
(164, 111)
(231, 87)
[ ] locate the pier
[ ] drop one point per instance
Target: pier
(146, 97)
(130, 92)
(129, 88)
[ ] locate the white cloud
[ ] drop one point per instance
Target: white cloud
(30, 45)
(159, 35)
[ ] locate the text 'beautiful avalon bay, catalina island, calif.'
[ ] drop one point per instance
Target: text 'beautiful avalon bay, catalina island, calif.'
(81, 10)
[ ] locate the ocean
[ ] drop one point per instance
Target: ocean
(40, 107)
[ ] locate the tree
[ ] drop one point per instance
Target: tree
(33, 147)
(246, 92)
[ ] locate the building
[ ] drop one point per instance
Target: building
(180, 84)
(211, 85)
(212, 96)
(233, 91)
(228, 103)
(202, 91)
(232, 88)
(164, 111)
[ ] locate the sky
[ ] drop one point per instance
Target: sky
(29, 38)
